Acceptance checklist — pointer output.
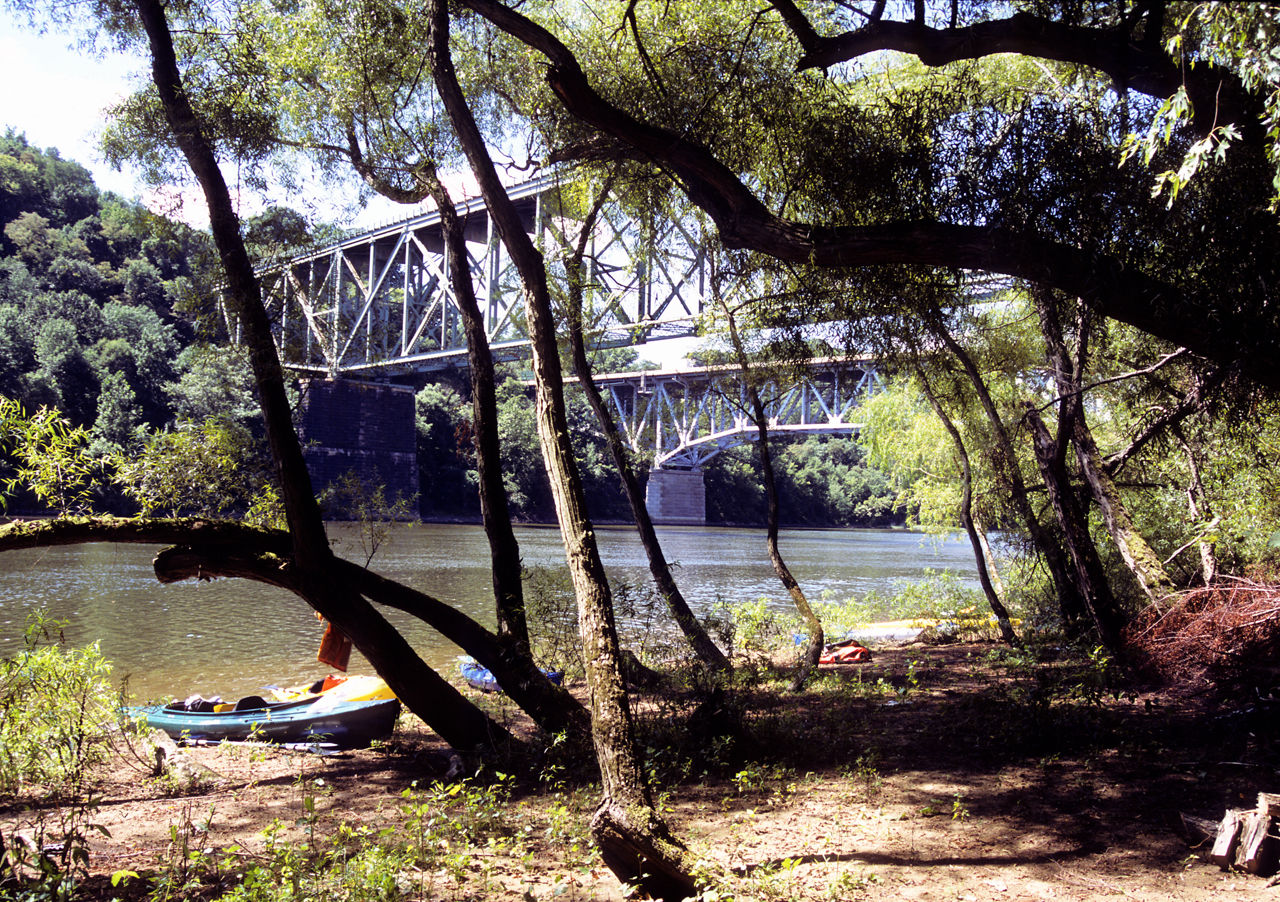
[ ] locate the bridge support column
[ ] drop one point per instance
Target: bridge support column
(677, 497)
(363, 427)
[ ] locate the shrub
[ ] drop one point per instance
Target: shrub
(56, 710)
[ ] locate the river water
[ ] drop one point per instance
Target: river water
(232, 637)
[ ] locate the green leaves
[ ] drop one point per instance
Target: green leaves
(215, 468)
(51, 459)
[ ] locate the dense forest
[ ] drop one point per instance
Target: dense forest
(104, 317)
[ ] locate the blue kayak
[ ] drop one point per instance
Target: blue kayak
(480, 677)
(350, 724)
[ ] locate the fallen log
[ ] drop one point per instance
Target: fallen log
(1197, 830)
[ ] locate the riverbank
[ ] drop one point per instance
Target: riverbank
(934, 772)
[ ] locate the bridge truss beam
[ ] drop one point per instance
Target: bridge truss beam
(684, 418)
(381, 304)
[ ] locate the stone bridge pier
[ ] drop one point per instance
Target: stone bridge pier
(365, 427)
(676, 497)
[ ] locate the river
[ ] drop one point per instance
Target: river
(232, 637)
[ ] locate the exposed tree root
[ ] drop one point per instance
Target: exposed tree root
(644, 856)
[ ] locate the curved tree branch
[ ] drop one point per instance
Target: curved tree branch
(1117, 290)
(207, 549)
(1132, 63)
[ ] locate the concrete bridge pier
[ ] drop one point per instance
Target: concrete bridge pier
(677, 497)
(364, 427)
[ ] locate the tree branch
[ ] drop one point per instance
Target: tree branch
(1116, 289)
(1139, 65)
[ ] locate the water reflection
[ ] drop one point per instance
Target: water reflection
(233, 637)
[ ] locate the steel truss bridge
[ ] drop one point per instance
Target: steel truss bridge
(381, 304)
(379, 307)
(686, 417)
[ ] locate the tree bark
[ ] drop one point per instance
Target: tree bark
(979, 545)
(633, 840)
(1198, 508)
(1068, 374)
(1142, 65)
(551, 706)
(1091, 579)
(1138, 555)
(706, 651)
(1070, 601)
(504, 550)
(207, 549)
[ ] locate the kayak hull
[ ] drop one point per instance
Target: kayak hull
(350, 724)
(480, 677)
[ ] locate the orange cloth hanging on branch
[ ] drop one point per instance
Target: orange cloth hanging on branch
(335, 648)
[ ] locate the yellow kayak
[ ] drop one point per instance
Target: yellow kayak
(339, 687)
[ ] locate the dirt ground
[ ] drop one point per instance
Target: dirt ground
(933, 772)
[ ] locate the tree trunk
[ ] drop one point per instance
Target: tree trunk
(1070, 600)
(1090, 576)
(551, 706)
(211, 549)
(993, 571)
(466, 727)
(711, 657)
(1198, 509)
(504, 550)
(1140, 558)
(808, 662)
(633, 840)
(1068, 373)
(980, 550)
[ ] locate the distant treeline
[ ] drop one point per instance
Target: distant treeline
(105, 316)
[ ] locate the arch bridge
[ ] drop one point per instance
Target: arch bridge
(683, 418)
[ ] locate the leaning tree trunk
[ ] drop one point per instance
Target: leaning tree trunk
(1068, 373)
(993, 571)
(633, 840)
(1198, 508)
(980, 550)
(319, 582)
(551, 706)
(712, 658)
(813, 649)
(1070, 601)
(1091, 579)
(1138, 555)
(504, 550)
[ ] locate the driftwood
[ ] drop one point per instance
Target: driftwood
(1245, 839)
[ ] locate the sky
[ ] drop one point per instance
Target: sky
(58, 96)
